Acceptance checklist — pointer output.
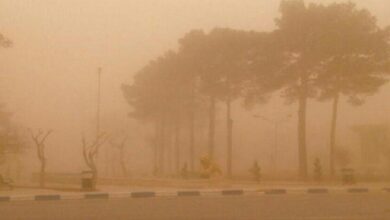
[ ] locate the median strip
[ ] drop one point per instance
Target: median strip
(275, 191)
(143, 194)
(186, 193)
(47, 197)
(386, 189)
(358, 190)
(317, 190)
(5, 198)
(96, 196)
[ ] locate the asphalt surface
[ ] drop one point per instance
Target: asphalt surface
(368, 206)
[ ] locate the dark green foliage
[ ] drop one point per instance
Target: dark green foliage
(355, 65)
(330, 51)
(317, 51)
(154, 86)
(357, 48)
(266, 59)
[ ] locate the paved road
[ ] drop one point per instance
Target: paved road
(367, 206)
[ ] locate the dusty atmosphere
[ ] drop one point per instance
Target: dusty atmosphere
(49, 77)
(77, 76)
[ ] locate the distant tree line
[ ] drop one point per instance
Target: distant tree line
(11, 137)
(11, 140)
(320, 52)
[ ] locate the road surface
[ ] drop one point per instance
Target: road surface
(359, 206)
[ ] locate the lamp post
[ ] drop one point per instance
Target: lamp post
(276, 124)
(98, 103)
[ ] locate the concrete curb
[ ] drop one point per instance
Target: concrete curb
(187, 193)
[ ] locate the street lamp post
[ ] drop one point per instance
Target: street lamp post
(276, 123)
(98, 103)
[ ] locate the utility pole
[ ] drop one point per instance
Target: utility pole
(98, 111)
(276, 124)
(98, 103)
(98, 116)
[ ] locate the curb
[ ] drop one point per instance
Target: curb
(186, 193)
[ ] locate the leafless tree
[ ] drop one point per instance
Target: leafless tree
(39, 139)
(90, 152)
(121, 147)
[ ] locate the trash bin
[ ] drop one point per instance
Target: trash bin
(348, 176)
(87, 182)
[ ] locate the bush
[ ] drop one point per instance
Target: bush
(209, 168)
(256, 171)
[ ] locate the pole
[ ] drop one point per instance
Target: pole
(276, 123)
(275, 145)
(98, 111)
(98, 103)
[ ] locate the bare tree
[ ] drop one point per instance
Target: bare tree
(39, 139)
(121, 147)
(90, 151)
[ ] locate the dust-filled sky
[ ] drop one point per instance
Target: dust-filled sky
(48, 79)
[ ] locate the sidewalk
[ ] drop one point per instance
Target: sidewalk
(26, 191)
(224, 183)
(245, 186)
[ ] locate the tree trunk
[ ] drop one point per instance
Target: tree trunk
(169, 148)
(156, 144)
(177, 146)
(92, 166)
(94, 176)
(42, 173)
(125, 172)
(333, 133)
(302, 128)
(162, 147)
(229, 123)
(192, 129)
(192, 141)
(211, 126)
